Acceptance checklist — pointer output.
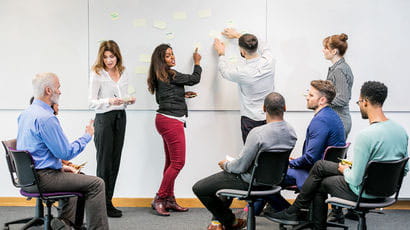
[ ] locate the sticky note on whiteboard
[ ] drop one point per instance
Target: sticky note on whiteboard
(179, 15)
(160, 24)
(197, 45)
(140, 22)
(115, 16)
(170, 35)
(131, 90)
(141, 70)
(144, 58)
(230, 24)
(205, 13)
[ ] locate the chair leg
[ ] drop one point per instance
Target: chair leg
(49, 216)
(362, 222)
(251, 216)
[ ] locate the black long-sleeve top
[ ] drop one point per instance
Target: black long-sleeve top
(170, 95)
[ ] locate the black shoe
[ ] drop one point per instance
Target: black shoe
(59, 224)
(113, 212)
(284, 217)
(351, 215)
(268, 209)
(336, 215)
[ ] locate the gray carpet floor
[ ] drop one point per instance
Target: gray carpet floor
(198, 218)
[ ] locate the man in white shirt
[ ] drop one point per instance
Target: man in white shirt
(254, 76)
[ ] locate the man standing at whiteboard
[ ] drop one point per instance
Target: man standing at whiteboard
(254, 76)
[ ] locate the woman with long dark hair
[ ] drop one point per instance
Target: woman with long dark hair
(168, 87)
(109, 98)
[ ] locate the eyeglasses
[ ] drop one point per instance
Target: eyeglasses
(358, 102)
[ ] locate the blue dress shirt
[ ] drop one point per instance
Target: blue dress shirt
(40, 133)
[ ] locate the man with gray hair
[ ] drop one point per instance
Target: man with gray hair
(40, 133)
(254, 76)
(277, 134)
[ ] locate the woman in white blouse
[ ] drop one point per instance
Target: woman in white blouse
(108, 96)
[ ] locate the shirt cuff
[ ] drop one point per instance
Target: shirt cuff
(87, 137)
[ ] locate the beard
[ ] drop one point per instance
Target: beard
(312, 106)
(55, 98)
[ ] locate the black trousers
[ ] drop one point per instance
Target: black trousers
(247, 125)
(324, 178)
(109, 140)
(206, 189)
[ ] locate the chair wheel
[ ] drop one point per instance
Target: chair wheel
(282, 227)
(6, 228)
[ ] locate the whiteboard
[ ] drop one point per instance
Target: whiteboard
(63, 37)
(43, 36)
(138, 27)
(378, 45)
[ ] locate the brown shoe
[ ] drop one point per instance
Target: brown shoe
(240, 224)
(158, 204)
(172, 205)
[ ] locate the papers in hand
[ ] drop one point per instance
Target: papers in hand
(229, 158)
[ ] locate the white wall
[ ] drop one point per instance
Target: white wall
(210, 136)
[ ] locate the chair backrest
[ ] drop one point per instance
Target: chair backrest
(20, 165)
(384, 178)
(270, 168)
(335, 153)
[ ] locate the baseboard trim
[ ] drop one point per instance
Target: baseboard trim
(146, 202)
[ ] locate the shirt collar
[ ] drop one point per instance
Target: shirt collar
(252, 60)
(342, 60)
(43, 105)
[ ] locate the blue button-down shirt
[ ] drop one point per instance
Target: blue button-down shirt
(40, 133)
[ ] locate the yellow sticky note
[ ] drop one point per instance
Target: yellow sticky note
(205, 13)
(141, 70)
(170, 35)
(115, 16)
(140, 22)
(197, 45)
(179, 15)
(131, 90)
(160, 24)
(144, 58)
(230, 24)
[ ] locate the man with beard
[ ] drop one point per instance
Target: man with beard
(254, 76)
(383, 140)
(325, 129)
(40, 133)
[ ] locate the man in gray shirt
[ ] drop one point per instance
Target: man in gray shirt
(254, 76)
(276, 135)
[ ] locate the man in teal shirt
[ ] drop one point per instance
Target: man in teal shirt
(383, 140)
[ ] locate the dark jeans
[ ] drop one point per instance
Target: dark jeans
(247, 125)
(109, 140)
(324, 179)
(206, 189)
(92, 187)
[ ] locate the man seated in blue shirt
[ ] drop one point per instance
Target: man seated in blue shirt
(383, 140)
(325, 129)
(40, 133)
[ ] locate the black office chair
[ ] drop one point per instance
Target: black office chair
(269, 169)
(381, 179)
(24, 175)
(334, 154)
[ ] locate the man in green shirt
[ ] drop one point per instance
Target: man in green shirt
(383, 140)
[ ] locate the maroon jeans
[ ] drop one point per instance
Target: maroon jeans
(173, 135)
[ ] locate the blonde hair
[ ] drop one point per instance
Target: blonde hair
(113, 47)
